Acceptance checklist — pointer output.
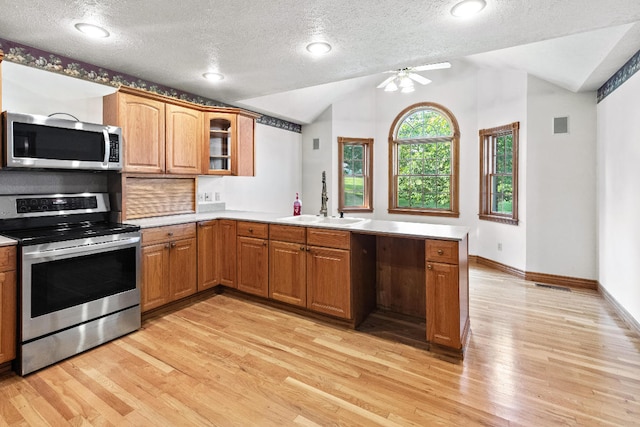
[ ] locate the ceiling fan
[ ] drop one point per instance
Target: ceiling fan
(403, 78)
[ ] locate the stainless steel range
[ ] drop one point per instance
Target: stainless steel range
(79, 275)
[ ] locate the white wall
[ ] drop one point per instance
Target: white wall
(314, 162)
(353, 117)
(618, 166)
(278, 175)
(370, 113)
(502, 99)
(561, 182)
(34, 91)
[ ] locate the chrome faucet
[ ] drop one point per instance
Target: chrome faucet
(323, 206)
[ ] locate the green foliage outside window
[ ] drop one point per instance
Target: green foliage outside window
(502, 177)
(424, 162)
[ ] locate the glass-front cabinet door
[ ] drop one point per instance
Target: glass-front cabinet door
(220, 149)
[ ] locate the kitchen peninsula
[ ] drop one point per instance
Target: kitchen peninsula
(341, 268)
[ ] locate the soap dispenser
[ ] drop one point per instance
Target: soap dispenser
(297, 206)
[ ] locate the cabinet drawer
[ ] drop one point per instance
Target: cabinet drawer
(287, 233)
(328, 238)
(8, 258)
(253, 229)
(168, 233)
(442, 251)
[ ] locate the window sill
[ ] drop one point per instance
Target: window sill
(355, 210)
(500, 219)
(425, 212)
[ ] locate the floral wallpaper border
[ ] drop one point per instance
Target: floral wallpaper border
(36, 58)
(622, 75)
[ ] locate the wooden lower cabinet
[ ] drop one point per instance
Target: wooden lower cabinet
(447, 298)
(182, 269)
(169, 262)
(208, 248)
(8, 301)
(288, 272)
(311, 267)
(442, 302)
(329, 281)
(155, 276)
(227, 253)
(253, 266)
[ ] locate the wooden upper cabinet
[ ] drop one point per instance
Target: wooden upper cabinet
(246, 149)
(166, 135)
(143, 130)
(183, 140)
(229, 144)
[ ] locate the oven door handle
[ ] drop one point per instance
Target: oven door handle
(82, 249)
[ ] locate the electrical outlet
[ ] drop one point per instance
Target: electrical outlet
(207, 197)
(499, 246)
(201, 197)
(217, 196)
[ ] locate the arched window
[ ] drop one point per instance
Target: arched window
(423, 161)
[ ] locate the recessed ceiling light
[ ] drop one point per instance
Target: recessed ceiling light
(467, 8)
(213, 77)
(318, 48)
(92, 30)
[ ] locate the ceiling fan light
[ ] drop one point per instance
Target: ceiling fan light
(407, 89)
(391, 87)
(406, 82)
(467, 8)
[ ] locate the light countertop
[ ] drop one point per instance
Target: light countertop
(367, 226)
(5, 241)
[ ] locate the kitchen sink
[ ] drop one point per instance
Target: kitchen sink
(317, 219)
(305, 219)
(340, 221)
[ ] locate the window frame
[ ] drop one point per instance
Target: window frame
(367, 170)
(454, 210)
(487, 143)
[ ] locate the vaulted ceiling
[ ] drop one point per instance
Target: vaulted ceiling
(259, 46)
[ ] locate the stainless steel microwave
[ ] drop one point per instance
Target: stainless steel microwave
(32, 141)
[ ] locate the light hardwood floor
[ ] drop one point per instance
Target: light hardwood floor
(536, 357)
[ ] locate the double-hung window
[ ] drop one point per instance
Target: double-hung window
(499, 174)
(355, 157)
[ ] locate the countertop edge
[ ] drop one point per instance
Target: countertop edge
(406, 229)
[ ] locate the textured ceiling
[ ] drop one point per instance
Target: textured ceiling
(260, 45)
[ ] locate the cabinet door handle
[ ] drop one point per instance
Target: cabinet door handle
(264, 243)
(170, 233)
(302, 248)
(251, 230)
(166, 245)
(308, 249)
(440, 251)
(201, 224)
(173, 244)
(429, 267)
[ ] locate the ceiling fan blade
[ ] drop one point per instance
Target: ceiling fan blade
(386, 82)
(438, 66)
(418, 78)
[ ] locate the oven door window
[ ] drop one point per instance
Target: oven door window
(64, 283)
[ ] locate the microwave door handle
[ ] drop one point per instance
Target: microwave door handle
(107, 148)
